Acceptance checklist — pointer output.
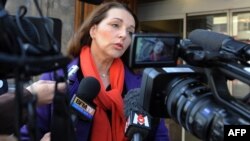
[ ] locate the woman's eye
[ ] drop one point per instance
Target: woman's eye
(130, 33)
(115, 25)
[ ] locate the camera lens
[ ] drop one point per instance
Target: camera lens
(189, 103)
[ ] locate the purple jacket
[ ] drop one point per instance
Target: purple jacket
(83, 128)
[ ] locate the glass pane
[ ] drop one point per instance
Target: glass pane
(241, 31)
(241, 26)
(213, 22)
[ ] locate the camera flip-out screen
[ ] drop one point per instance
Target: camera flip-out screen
(153, 50)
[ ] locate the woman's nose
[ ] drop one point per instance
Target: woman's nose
(123, 33)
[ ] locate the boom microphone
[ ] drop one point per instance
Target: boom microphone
(82, 102)
(138, 121)
(217, 42)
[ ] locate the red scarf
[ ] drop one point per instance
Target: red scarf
(102, 129)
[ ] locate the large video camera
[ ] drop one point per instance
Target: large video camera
(29, 46)
(196, 94)
(27, 41)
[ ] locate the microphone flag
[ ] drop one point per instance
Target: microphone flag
(137, 122)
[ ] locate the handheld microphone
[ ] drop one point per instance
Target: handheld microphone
(71, 72)
(82, 102)
(138, 120)
(217, 42)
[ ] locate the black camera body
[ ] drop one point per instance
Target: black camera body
(196, 94)
(28, 48)
(26, 41)
(156, 83)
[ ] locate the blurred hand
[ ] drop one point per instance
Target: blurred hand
(7, 138)
(46, 137)
(45, 90)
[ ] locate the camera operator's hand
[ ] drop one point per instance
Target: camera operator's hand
(45, 89)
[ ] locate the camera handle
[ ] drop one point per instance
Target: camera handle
(218, 83)
(20, 79)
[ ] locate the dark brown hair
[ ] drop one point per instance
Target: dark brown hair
(81, 37)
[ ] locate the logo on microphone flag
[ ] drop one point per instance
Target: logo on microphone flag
(137, 123)
(82, 107)
(140, 119)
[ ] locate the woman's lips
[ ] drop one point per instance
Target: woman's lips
(119, 46)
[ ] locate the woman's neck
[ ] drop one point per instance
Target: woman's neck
(102, 61)
(103, 69)
(103, 64)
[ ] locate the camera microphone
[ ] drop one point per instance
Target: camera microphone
(138, 120)
(217, 42)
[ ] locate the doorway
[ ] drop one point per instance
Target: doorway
(163, 26)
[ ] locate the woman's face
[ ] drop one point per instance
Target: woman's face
(158, 47)
(112, 36)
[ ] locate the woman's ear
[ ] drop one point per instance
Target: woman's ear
(92, 31)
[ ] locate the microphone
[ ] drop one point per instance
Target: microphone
(82, 102)
(138, 120)
(71, 72)
(217, 42)
(82, 106)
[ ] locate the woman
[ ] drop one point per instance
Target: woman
(158, 53)
(97, 47)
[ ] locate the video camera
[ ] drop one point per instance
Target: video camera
(28, 48)
(196, 94)
(27, 41)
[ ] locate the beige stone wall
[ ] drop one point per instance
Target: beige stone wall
(62, 9)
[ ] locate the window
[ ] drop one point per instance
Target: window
(235, 23)
(213, 22)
